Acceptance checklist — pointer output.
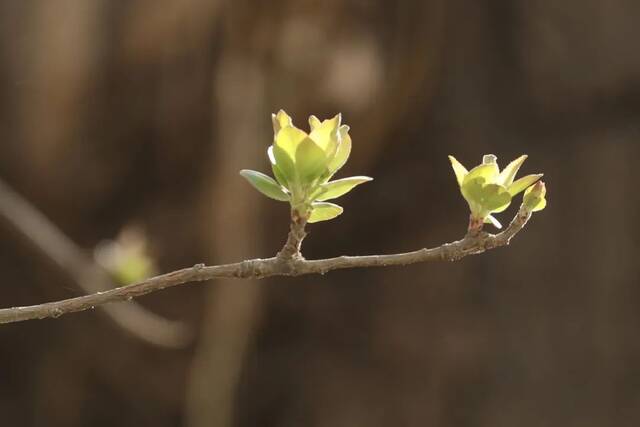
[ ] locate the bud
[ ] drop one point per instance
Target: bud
(488, 190)
(303, 163)
(534, 198)
(127, 258)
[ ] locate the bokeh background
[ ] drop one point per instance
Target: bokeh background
(121, 114)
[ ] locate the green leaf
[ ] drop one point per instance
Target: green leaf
(487, 171)
(314, 122)
(342, 152)
(280, 120)
(523, 183)
(485, 198)
(265, 184)
(311, 161)
(280, 177)
(337, 188)
(496, 198)
(288, 139)
(509, 173)
(458, 169)
(285, 164)
(323, 211)
(472, 192)
(325, 133)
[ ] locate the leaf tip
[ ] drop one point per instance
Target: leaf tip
(458, 169)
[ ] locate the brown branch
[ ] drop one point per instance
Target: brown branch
(89, 276)
(291, 249)
(277, 266)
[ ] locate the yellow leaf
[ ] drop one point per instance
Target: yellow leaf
(280, 120)
(325, 134)
(458, 169)
(342, 151)
(288, 139)
(487, 171)
(509, 173)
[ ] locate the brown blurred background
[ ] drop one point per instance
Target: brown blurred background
(140, 113)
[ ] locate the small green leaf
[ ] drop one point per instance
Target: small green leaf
(496, 198)
(484, 199)
(311, 161)
(265, 184)
(323, 211)
(337, 188)
(523, 183)
(472, 192)
(314, 122)
(458, 169)
(280, 177)
(280, 120)
(509, 173)
(342, 152)
(487, 171)
(285, 164)
(288, 139)
(325, 133)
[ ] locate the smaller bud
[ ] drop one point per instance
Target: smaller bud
(534, 197)
(126, 259)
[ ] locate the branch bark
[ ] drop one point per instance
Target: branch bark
(291, 249)
(471, 244)
(90, 277)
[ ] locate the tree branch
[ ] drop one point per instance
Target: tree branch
(471, 244)
(89, 276)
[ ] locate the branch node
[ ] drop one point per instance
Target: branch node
(247, 269)
(449, 252)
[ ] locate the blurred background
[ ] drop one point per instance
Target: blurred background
(137, 115)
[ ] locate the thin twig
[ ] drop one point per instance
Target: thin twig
(90, 277)
(261, 268)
